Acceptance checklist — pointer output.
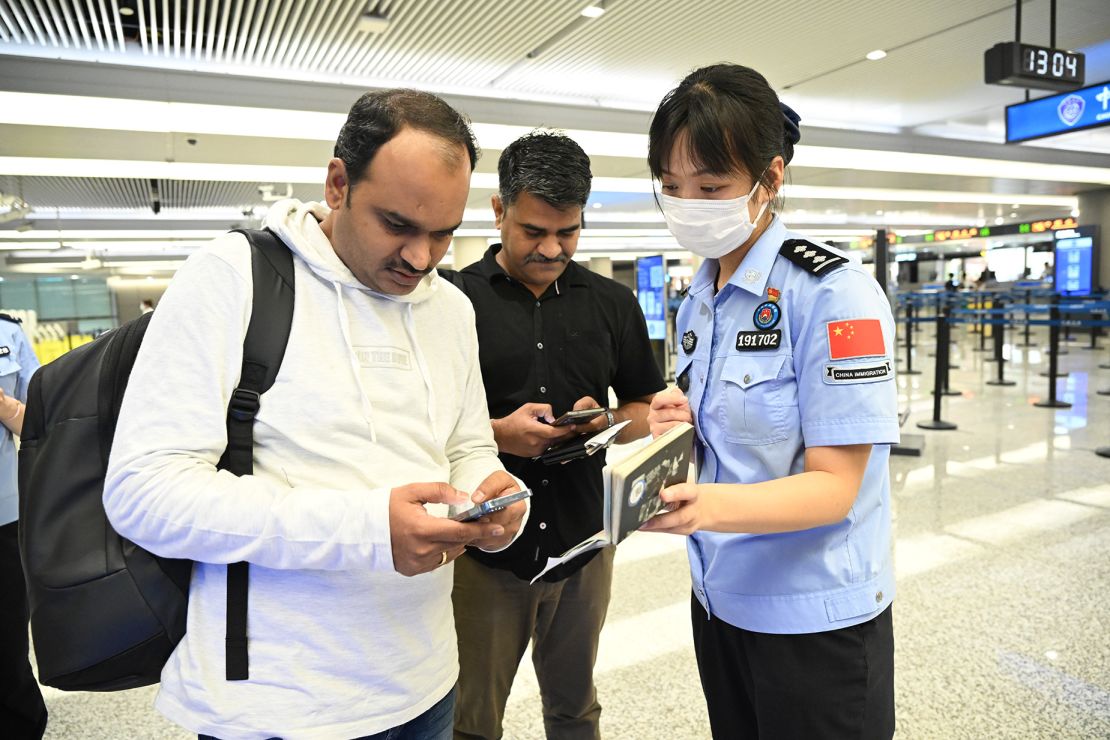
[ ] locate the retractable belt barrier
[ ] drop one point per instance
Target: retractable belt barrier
(999, 310)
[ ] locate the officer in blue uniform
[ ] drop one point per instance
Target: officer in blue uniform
(785, 369)
(22, 712)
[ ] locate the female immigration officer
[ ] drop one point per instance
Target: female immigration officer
(786, 372)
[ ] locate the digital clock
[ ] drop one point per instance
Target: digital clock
(1026, 65)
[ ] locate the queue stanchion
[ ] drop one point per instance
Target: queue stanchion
(1094, 333)
(947, 364)
(995, 330)
(1053, 351)
(949, 306)
(940, 377)
(909, 342)
(999, 334)
(1028, 302)
(979, 327)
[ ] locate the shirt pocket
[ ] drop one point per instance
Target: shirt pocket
(9, 375)
(755, 408)
(587, 362)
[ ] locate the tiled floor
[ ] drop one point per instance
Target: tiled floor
(1002, 620)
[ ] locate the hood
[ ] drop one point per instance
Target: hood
(298, 225)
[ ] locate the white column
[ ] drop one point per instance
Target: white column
(1094, 210)
(466, 250)
(602, 266)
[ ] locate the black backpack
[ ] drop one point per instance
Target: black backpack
(106, 614)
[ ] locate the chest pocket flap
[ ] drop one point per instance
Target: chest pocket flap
(757, 400)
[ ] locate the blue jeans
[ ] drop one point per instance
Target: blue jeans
(434, 724)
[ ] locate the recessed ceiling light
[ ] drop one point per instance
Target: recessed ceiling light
(1013, 215)
(876, 55)
(594, 11)
(999, 221)
(74, 277)
(1016, 206)
(126, 11)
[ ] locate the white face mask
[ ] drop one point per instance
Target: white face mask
(710, 228)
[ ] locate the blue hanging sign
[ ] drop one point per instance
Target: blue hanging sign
(1086, 108)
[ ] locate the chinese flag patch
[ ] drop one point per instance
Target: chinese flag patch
(855, 338)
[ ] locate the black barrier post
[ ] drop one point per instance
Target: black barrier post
(1028, 302)
(999, 333)
(995, 330)
(980, 327)
(947, 358)
(940, 377)
(1094, 331)
(1103, 452)
(1053, 350)
(909, 342)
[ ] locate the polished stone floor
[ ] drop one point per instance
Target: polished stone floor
(1002, 619)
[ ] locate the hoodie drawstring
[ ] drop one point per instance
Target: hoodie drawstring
(345, 328)
(410, 329)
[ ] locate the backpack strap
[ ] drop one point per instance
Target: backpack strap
(263, 351)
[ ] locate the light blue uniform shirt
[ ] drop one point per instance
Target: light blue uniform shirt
(760, 395)
(17, 364)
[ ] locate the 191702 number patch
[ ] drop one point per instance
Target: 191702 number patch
(758, 340)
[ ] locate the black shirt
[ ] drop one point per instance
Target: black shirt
(583, 335)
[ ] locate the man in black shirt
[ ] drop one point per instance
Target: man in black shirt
(552, 337)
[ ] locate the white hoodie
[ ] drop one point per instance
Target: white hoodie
(375, 391)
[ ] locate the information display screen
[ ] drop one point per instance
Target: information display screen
(1086, 108)
(651, 292)
(1075, 261)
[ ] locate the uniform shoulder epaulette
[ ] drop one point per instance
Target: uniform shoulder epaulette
(815, 259)
(13, 319)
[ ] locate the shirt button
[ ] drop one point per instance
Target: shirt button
(544, 482)
(537, 304)
(879, 597)
(539, 345)
(747, 379)
(543, 389)
(543, 525)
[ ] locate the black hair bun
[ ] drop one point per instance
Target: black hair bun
(791, 133)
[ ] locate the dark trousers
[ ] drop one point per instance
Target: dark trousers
(836, 684)
(498, 614)
(22, 711)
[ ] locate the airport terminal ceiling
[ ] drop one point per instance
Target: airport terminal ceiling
(214, 109)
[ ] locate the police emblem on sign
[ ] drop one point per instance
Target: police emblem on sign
(689, 341)
(767, 314)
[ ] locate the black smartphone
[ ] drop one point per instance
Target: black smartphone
(577, 417)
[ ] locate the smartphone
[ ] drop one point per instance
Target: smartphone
(488, 507)
(576, 417)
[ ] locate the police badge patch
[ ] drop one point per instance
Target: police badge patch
(689, 341)
(767, 314)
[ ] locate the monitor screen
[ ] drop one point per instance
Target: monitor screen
(650, 291)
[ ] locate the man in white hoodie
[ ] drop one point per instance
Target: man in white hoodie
(378, 409)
